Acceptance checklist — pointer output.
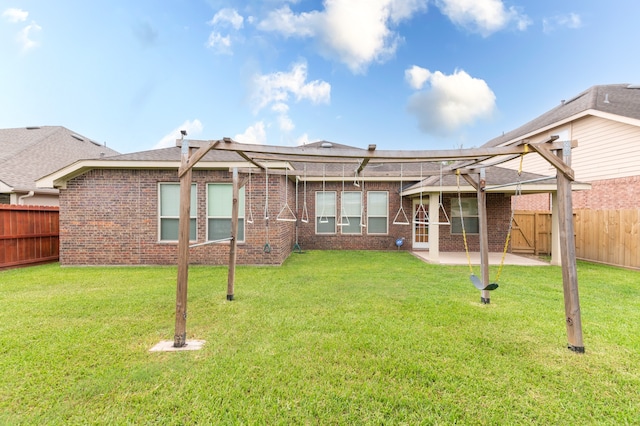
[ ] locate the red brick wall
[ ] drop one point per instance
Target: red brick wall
(309, 240)
(498, 216)
(610, 194)
(110, 217)
(536, 202)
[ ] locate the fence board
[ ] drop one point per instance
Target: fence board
(28, 235)
(609, 236)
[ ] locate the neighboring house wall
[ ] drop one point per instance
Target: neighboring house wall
(607, 156)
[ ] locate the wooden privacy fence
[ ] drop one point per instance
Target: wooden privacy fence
(28, 235)
(604, 236)
(608, 236)
(531, 232)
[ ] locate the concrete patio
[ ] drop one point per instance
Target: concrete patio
(460, 258)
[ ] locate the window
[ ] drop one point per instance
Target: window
(219, 202)
(325, 212)
(377, 210)
(470, 214)
(351, 212)
(169, 194)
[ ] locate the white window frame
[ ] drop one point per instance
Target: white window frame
(470, 213)
(323, 212)
(352, 213)
(372, 214)
(175, 214)
(228, 187)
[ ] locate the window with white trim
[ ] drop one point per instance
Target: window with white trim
(219, 204)
(169, 212)
(469, 213)
(325, 212)
(377, 212)
(351, 212)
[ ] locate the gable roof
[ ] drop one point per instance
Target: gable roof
(28, 153)
(615, 101)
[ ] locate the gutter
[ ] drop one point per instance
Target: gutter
(22, 197)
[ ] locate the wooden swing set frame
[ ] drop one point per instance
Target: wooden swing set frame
(468, 163)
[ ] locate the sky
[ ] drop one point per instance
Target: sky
(401, 74)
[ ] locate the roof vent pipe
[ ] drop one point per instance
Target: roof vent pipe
(606, 98)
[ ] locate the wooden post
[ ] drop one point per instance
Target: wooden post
(568, 256)
(180, 336)
(234, 233)
(485, 296)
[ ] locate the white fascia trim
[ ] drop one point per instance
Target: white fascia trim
(593, 112)
(60, 178)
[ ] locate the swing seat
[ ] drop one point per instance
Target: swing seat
(478, 284)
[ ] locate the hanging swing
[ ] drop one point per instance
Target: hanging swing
(323, 217)
(421, 217)
(401, 217)
(472, 276)
(286, 214)
(516, 196)
(304, 217)
(267, 247)
(296, 245)
(250, 196)
(344, 219)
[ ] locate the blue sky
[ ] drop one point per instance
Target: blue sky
(403, 74)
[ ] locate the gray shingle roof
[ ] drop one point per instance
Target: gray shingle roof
(27, 154)
(617, 99)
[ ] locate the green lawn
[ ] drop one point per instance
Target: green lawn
(328, 338)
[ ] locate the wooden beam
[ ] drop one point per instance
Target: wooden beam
(234, 234)
(180, 335)
(284, 152)
(471, 181)
(573, 318)
(546, 153)
(485, 296)
(196, 157)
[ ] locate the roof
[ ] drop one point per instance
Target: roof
(621, 100)
(332, 162)
(28, 153)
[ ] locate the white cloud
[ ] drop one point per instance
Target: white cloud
(193, 128)
(571, 21)
(482, 16)
(354, 32)
(25, 36)
(255, 134)
(219, 43)
(452, 102)
(226, 17)
(15, 15)
(416, 76)
(303, 139)
(278, 87)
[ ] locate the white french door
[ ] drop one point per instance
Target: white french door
(419, 220)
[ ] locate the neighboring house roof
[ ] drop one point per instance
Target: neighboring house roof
(619, 102)
(28, 153)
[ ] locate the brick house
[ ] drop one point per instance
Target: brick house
(123, 210)
(605, 120)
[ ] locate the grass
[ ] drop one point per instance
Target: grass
(328, 338)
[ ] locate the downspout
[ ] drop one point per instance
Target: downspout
(22, 197)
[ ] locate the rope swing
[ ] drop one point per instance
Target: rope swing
(472, 276)
(401, 217)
